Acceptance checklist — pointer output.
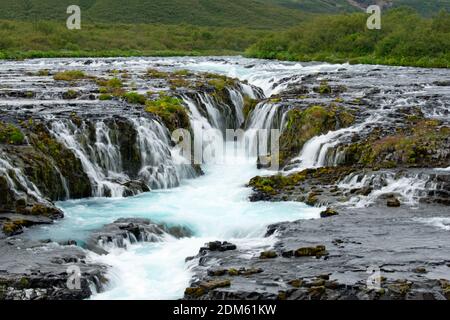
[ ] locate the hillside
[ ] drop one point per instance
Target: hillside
(426, 8)
(229, 13)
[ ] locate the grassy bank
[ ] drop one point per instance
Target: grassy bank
(20, 40)
(406, 39)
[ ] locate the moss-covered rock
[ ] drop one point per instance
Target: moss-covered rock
(40, 166)
(268, 254)
(11, 134)
(134, 97)
(303, 125)
(172, 113)
(69, 75)
(70, 94)
(249, 105)
(420, 144)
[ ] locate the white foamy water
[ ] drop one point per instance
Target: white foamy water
(438, 222)
(215, 206)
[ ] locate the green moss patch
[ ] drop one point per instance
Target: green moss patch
(10, 134)
(170, 110)
(69, 75)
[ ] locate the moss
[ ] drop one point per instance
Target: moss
(249, 105)
(310, 251)
(134, 97)
(233, 272)
(195, 292)
(70, 94)
(182, 72)
(10, 134)
(171, 112)
(324, 88)
(273, 184)
(179, 83)
(24, 283)
(43, 73)
(214, 284)
(296, 283)
(105, 96)
(302, 125)
(414, 145)
(268, 254)
(113, 86)
(69, 75)
(154, 73)
(13, 227)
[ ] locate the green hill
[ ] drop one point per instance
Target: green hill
(426, 8)
(230, 13)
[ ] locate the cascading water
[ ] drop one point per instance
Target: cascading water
(67, 133)
(17, 181)
(409, 188)
(214, 206)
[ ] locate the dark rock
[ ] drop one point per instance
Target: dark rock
(328, 213)
(132, 230)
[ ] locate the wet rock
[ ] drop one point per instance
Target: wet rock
(40, 271)
(393, 202)
(268, 254)
(219, 246)
(311, 251)
(328, 213)
(126, 231)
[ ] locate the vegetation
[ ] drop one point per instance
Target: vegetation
(302, 125)
(415, 145)
(44, 39)
(69, 75)
(222, 13)
(10, 134)
(249, 105)
(134, 97)
(404, 39)
(170, 110)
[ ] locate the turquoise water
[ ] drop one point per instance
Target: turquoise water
(215, 207)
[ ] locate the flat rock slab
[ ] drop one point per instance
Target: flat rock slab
(371, 253)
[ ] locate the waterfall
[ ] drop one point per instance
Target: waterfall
(411, 188)
(238, 102)
(214, 116)
(265, 117)
(67, 134)
(159, 169)
(17, 181)
(314, 152)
